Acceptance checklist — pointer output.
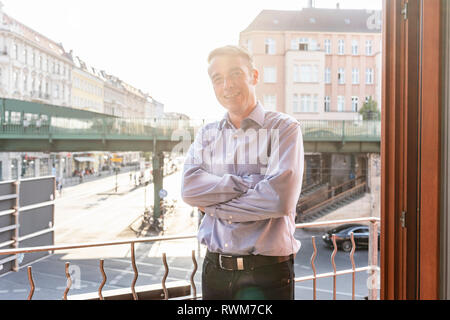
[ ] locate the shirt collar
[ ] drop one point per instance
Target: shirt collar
(258, 116)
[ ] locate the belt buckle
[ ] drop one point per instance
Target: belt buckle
(239, 261)
(220, 262)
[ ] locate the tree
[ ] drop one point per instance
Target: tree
(370, 111)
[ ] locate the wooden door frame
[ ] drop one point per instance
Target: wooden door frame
(430, 154)
(445, 165)
(410, 149)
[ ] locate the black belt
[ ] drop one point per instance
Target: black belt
(242, 263)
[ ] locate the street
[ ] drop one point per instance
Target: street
(94, 212)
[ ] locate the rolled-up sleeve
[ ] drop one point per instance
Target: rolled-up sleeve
(199, 188)
(277, 194)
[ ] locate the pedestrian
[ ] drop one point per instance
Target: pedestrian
(245, 174)
(60, 182)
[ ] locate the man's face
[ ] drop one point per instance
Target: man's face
(234, 83)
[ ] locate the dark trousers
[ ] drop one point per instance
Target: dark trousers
(271, 282)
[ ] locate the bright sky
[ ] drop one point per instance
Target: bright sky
(160, 47)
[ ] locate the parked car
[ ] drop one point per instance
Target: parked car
(343, 239)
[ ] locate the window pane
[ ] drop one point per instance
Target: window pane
(295, 103)
(327, 46)
(270, 102)
(341, 46)
(270, 46)
(270, 74)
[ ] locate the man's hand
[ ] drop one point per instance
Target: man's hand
(201, 209)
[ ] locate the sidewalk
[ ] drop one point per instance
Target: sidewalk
(73, 181)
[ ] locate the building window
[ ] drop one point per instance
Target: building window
(305, 102)
(270, 74)
(355, 76)
(341, 76)
(56, 91)
(313, 45)
(303, 44)
(327, 46)
(249, 45)
(270, 102)
(25, 56)
(355, 104)
(296, 73)
(315, 73)
(308, 73)
(369, 76)
(25, 83)
(368, 47)
(315, 103)
(40, 62)
(16, 51)
(327, 104)
(305, 73)
(327, 75)
(355, 47)
(270, 46)
(16, 79)
(341, 47)
(295, 104)
(341, 104)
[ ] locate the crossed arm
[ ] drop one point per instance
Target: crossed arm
(253, 197)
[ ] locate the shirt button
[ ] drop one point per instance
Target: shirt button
(211, 215)
(226, 245)
(229, 222)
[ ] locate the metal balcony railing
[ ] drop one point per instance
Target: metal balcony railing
(372, 266)
(313, 130)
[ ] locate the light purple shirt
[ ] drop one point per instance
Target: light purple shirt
(249, 181)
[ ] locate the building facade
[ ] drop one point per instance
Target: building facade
(316, 63)
(135, 101)
(114, 95)
(32, 68)
(87, 87)
(153, 109)
(36, 68)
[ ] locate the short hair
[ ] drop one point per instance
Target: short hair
(231, 50)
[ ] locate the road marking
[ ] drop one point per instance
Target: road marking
(156, 265)
(19, 290)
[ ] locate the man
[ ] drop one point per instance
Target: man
(245, 173)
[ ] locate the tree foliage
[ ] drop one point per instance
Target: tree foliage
(370, 111)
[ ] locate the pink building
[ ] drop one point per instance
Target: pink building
(316, 63)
